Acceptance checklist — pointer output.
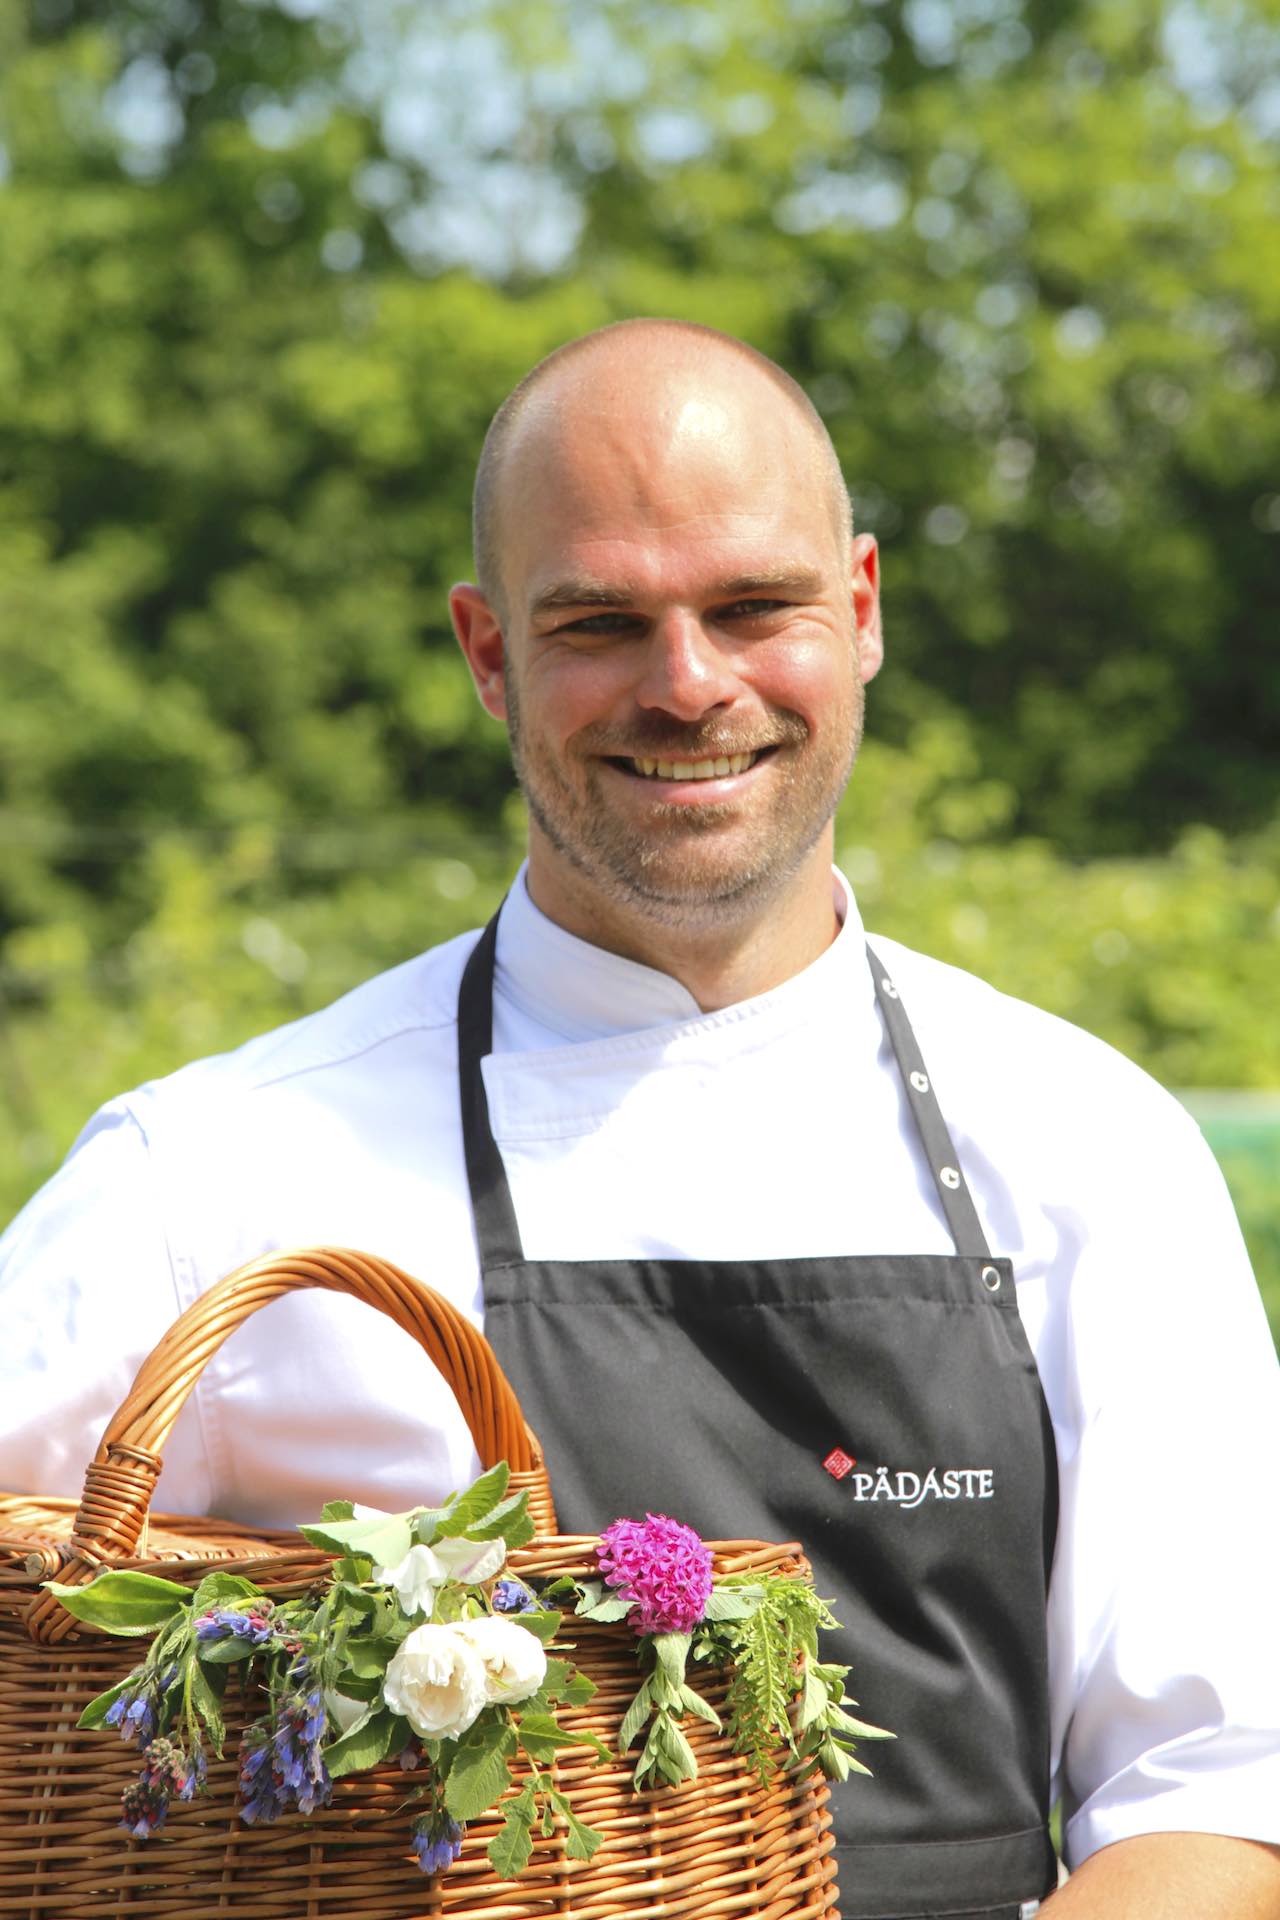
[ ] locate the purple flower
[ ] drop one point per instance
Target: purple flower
(437, 1841)
(512, 1596)
(284, 1767)
(166, 1770)
(196, 1776)
(260, 1800)
(226, 1623)
(144, 1809)
(135, 1711)
(661, 1567)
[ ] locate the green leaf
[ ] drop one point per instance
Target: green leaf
(672, 1652)
(426, 1526)
(681, 1761)
(511, 1846)
(206, 1698)
(556, 1678)
(636, 1717)
(337, 1510)
(216, 1588)
(542, 1736)
(580, 1689)
(518, 1533)
(846, 1723)
(583, 1840)
(815, 1701)
(95, 1713)
(479, 1771)
(124, 1603)
(590, 1594)
(356, 1687)
(356, 1600)
(614, 1608)
(369, 1658)
(545, 1625)
(225, 1653)
(503, 1520)
(732, 1603)
(364, 1744)
(469, 1509)
(385, 1541)
(693, 1701)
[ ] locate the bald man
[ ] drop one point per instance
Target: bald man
(786, 1233)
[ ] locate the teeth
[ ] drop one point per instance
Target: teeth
(695, 769)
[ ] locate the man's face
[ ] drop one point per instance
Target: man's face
(681, 682)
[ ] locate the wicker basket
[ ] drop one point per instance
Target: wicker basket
(722, 1844)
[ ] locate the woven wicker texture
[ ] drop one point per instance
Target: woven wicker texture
(721, 1845)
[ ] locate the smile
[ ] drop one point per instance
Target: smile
(715, 769)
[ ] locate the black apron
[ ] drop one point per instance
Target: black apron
(884, 1411)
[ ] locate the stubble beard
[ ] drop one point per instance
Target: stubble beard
(672, 875)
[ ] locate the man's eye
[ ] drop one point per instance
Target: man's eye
(602, 623)
(751, 609)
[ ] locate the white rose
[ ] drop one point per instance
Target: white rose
(416, 1580)
(437, 1681)
(515, 1660)
(471, 1561)
(424, 1570)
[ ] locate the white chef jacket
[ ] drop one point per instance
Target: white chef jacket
(635, 1127)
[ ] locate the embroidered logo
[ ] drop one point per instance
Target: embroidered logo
(900, 1487)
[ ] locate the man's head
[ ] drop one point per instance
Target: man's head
(669, 581)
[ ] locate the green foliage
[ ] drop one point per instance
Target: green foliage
(128, 1603)
(1013, 253)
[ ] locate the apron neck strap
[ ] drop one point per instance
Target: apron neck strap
(935, 1137)
(497, 1233)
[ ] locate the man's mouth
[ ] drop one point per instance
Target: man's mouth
(709, 769)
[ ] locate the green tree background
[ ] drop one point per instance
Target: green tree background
(265, 272)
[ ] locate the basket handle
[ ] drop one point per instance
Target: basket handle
(122, 1474)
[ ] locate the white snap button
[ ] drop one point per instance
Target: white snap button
(949, 1177)
(991, 1279)
(890, 989)
(920, 1081)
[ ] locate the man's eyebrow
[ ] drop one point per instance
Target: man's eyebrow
(804, 583)
(580, 591)
(801, 582)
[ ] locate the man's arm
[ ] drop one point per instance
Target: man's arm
(1173, 1876)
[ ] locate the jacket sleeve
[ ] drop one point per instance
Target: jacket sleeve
(1167, 1571)
(86, 1290)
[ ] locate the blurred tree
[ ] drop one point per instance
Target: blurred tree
(266, 270)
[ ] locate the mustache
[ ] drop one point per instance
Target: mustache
(659, 739)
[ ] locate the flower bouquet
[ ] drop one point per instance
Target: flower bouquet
(424, 1650)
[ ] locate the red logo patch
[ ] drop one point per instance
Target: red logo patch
(838, 1463)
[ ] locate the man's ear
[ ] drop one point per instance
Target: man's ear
(480, 637)
(868, 635)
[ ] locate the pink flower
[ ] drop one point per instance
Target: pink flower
(661, 1567)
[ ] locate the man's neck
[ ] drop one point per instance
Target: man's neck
(727, 956)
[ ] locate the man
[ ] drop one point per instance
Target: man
(743, 1208)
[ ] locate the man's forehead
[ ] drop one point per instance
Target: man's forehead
(660, 407)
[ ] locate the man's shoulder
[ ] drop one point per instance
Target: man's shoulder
(978, 1035)
(413, 1005)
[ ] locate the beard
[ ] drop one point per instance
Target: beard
(689, 865)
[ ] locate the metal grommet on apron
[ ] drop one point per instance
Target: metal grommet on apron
(887, 1412)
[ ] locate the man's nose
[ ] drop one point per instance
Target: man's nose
(685, 672)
